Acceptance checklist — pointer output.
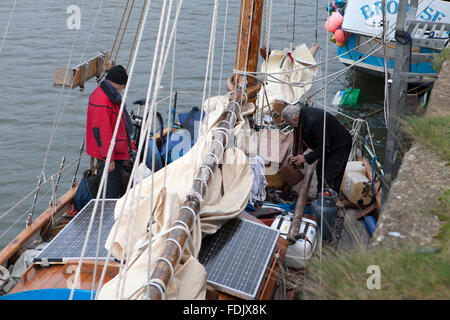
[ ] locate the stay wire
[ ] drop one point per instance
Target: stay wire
(11, 14)
(124, 30)
(104, 175)
(142, 134)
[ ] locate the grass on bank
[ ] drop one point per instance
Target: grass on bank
(439, 58)
(433, 132)
(406, 272)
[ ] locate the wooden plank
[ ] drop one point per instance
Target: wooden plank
(77, 76)
(36, 226)
(62, 275)
(268, 285)
(293, 234)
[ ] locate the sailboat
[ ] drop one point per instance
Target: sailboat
(166, 223)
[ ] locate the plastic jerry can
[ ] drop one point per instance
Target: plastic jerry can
(353, 166)
(298, 253)
(357, 188)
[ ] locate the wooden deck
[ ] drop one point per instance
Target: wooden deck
(63, 275)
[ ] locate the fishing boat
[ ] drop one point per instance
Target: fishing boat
(357, 29)
(185, 231)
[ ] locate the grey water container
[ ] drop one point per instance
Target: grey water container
(330, 211)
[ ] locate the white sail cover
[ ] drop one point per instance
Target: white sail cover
(228, 194)
(281, 67)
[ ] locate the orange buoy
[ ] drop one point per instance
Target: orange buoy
(334, 22)
(340, 36)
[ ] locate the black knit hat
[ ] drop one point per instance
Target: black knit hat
(117, 74)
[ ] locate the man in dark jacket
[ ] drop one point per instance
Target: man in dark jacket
(308, 124)
(103, 110)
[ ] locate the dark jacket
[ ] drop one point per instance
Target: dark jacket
(103, 110)
(311, 124)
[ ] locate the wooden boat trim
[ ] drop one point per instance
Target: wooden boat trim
(62, 276)
(77, 76)
(36, 226)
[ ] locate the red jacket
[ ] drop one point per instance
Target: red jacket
(101, 119)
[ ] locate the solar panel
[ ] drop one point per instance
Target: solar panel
(68, 243)
(237, 255)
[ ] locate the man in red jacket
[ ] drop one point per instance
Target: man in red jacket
(102, 114)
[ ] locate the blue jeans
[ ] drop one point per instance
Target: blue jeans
(114, 184)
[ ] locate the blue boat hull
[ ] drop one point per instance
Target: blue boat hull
(374, 64)
(49, 294)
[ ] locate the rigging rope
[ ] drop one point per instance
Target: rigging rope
(8, 25)
(323, 151)
(317, 21)
(135, 35)
(60, 109)
(107, 163)
(55, 120)
(149, 117)
(293, 23)
(303, 84)
(39, 187)
(113, 20)
(209, 65)
(153, 109)
(124, 30)
(118, 30)
(170, 120)
(142, 133)
(223, 46)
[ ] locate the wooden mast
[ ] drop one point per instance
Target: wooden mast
(248, 39)
(244, 90)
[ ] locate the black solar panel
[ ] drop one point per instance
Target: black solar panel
(237, 255)
(69, 242)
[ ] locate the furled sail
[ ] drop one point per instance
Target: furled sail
(291, 73)
(228, 194)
